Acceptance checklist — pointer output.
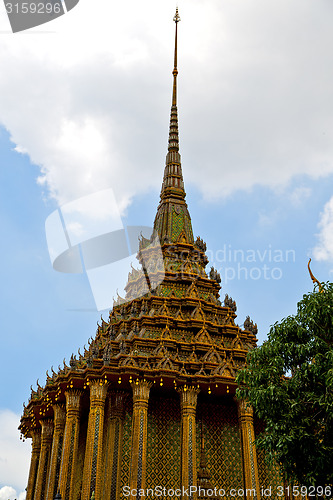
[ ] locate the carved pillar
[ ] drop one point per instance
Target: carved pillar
(36, 444)
(114, 446)
(70, 444)
(55, 461)
(137, 474)
(188, 403)
(250, 467)
(93, 461)
(44, 458)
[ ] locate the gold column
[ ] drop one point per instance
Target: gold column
(188, 403)
(44, 458)
(250, 467)
(114, 445)
(137, 473)
(93, 461)
(36, 444)
(58, 437)
(70, 444)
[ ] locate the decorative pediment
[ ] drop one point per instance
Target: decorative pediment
(164, 311)
(142, 332)
(192, 291)
(182, 237)
(166, 364)
(176, 357)
(201, 371)
(212, 357)
(183, 371)
(237, 343)
(203, 336)
(187, 266)
(225, 371)
(193, 357)
(198, 313)
(134, 332)
(161, 350)
(179, 314)
(212, 298)
(166, 334)
(129, 361)
(145, 365)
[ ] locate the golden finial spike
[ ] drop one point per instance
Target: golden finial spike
(173, 132)
(175, 71)
(176, 16)
(314, 280)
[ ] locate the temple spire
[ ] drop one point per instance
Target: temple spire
(172, 221)
(173, 132)
(175, 70)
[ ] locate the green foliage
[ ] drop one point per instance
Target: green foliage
(289, 382)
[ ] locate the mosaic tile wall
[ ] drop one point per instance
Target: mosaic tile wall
(269, 475)
(218, 419)
(126, 451)
(81, 454)
(164, 443)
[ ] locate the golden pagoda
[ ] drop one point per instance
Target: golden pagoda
(149, 408)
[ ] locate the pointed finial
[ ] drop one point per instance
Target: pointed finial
(173, 131)
(175, 70)
(173, 184)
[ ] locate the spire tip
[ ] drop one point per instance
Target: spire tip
(176, 16)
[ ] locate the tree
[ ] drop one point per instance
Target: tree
(289, 382)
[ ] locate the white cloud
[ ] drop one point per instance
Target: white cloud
(90, 102)
(324, 248)
(14, 456)
(299, 195)
(8, 493)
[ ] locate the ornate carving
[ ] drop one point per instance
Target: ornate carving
(98, 391)
(188, 397)
(73, 398)
(200, 244)
(47, 430)
(107, 354)
(250, 326)
(245, 410)
(141, 389)
(228, 302)
(59, 416)
(214, 275)
(73, 362)
(250, 467)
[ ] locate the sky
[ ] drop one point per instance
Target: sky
(84, 108)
